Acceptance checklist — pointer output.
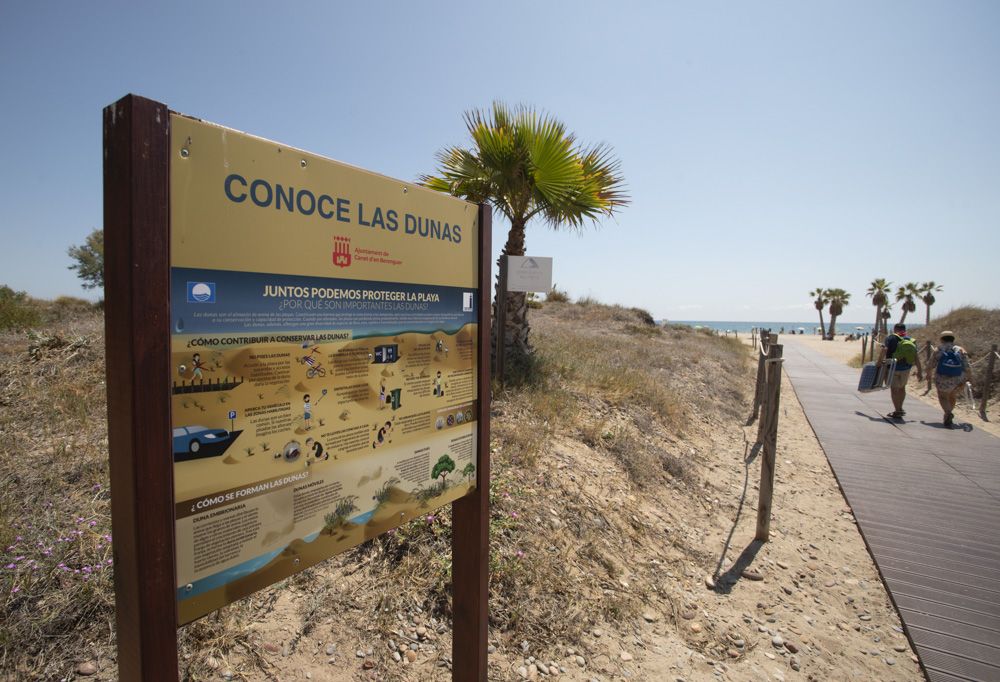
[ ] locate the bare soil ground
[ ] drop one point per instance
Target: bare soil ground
(621, 484)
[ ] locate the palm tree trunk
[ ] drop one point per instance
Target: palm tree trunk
(833, 326)
(822, 327)
(928, 323)
(903, 318)
(516, 327)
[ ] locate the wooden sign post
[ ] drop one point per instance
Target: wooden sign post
(161, 579)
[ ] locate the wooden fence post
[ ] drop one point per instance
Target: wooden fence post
(759, 387)
(864, 348)
(769, 442)
(988, 383)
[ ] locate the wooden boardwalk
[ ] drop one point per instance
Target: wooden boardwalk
(927, 501)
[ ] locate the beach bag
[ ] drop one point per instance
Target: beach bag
(950, 363)
(875, 377)
(869, 376)
(906, 351)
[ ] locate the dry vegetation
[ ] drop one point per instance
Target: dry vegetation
(976, 330)
(606, 376)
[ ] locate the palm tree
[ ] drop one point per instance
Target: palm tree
(926, 293)
(879, 293)
(905, 294)
(838, 299)
(526, 164)
(821, 300)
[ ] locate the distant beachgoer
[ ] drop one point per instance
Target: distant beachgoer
(903, 349)
(951, 372)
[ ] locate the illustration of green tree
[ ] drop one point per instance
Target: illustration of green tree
(445, 465)
(469, 471)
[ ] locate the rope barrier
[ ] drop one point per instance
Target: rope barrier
(971, 364)
(985, 357)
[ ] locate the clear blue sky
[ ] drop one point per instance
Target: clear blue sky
(769, 148)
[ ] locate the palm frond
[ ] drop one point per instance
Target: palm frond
(526, 163)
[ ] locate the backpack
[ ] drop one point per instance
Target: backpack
(906, 351)
(950, 363)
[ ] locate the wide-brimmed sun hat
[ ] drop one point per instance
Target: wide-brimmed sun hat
(947, 335)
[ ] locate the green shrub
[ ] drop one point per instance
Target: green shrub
(17, 310)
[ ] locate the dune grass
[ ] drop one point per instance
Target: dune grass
(601, 376)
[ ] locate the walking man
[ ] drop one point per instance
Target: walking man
(951, 371)
(904, 350)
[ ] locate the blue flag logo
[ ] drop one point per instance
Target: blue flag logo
(201, 292)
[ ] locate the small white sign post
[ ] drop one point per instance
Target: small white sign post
(529, 273)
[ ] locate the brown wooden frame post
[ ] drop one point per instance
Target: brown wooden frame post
(769, 441)
(470, 539)
(988, 383)
(137, 330)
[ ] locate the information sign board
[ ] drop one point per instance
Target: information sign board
(336, 311)
(529, 273)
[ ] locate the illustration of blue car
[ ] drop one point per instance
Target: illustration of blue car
(195, 442)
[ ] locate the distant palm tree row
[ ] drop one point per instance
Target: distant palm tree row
(836, 299)
(879, 292)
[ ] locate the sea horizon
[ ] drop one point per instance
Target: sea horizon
(844, 327)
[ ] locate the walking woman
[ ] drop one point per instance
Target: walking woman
(951, 371)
